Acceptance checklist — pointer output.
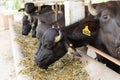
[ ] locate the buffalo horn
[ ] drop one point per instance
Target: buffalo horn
(57, 38)
(91, 9)
(26, 13)
(29, 17)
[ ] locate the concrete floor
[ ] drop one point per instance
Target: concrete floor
(7, 69)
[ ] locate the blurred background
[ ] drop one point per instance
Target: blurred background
(15, 4)
(9, 9)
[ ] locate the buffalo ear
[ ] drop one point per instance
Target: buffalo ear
(21, 9)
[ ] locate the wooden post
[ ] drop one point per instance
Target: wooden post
(74, 11)
(4, 20)
(56, 10)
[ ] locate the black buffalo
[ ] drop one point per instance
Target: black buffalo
(45, 15)
(30, 10)
(56, 42)
(108, 14)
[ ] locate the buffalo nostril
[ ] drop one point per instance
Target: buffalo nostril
(40, 65)
(34, 36)
(23, 33)
(43, 67)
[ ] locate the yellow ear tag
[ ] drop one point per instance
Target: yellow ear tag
(70, 50)
(86, 31)
(36, 11)
(70, 45)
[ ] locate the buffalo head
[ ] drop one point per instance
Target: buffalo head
(109, 17)
(51, 48)
(108, 14)
(29, 8)
(26, 25)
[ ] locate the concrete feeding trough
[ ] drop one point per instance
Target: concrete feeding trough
(17, 55)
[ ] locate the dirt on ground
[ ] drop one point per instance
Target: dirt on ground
(7, 69)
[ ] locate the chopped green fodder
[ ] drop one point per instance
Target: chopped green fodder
(66, 68)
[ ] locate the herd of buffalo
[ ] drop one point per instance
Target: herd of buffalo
(100, 28)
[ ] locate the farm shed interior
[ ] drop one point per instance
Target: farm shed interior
(114, 74)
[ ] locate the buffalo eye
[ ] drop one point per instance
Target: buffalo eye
(49, 45)
(105, 18)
